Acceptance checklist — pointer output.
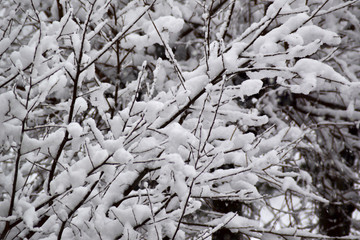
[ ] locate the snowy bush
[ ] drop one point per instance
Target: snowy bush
(138, 119)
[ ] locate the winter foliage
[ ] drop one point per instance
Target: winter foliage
(138, 119)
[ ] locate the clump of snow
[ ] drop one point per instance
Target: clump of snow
(309, 33)
(144, 145)
(26, 55)
(182, 97)
(231, 58)
(122, 156)
(265, 161)
(27, 211)
(308, 84)
(275, 6)
(250, 87)
(97, 98)
(242, 140)
(82, 215)
(294, 39)
(234, 221)
(60, 183)
(303, 51)
(270, 236)
(269, 47)
(350, 110)
(133, 215)
(75, 129)
(196, 84)
(166, 25)
(309, 70)
(177, 135)
(47, 145)
(4, 44)
(306, 177)
(215, 66)
(279, 33)
(80, 105)
(290, 184)
(132, 13)
(160, 75)
(69, 26)
(77, 177)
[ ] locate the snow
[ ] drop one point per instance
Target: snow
(159, 76)
(122, 156)
(116, 125)
(269, 47)
(24, 57)
(350, 110)
(152, 110)
(222, 133)
(109, 228)
(309, 70)
(51, 71)
(138, 107)
(231, 58)
(294, 39)
(303, 51)
(270, 236)
(196, 84)
(75, 129)
(279, 33)
(77, 177)
(239, 185)
(55, 83)
(60, 184)
(290, 184)
(27, 212)
(133, 215)
(310, 33)
(307, 85)
(99, 157)
(97, 98)
(82, 215)
(47, 145)
(76, 42)
(144, 145)
(4, 44)
(177, 134)
(30, 217)
(231, 220)
(50, 145)
(306, 177)
(166, 25)
(215, 66)
(17, 109)
(250, 87)
(265, 161)
(274, 7)
(49, 43)
(132, 13)
(182, 97)
(291, 133)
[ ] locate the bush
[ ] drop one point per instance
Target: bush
(167, 119)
